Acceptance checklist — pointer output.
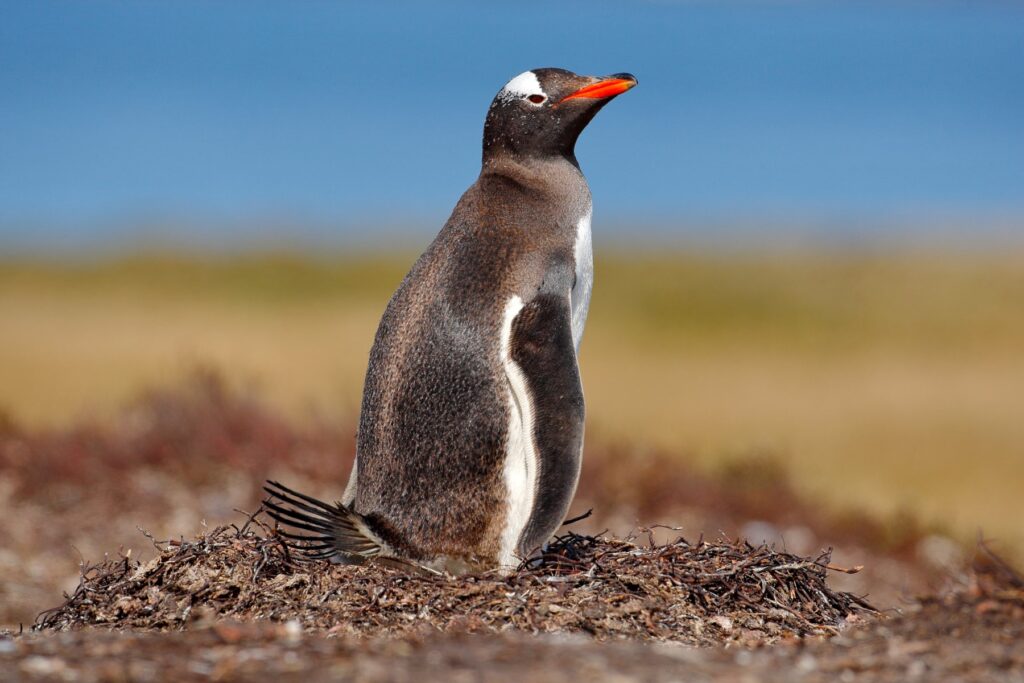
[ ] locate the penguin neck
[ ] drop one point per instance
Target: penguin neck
(543, 173)
(498, 154)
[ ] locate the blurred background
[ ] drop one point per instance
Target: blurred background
(809, 223)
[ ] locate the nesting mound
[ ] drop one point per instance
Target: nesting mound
(696, 593)
(971, 633)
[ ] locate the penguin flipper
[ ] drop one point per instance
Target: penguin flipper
(338, 533)
(542, 348)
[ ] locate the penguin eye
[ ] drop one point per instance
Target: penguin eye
(537, 99)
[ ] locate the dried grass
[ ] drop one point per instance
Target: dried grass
(698, 593)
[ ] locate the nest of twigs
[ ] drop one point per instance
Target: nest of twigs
(698, 593)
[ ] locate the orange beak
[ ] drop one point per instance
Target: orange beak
(602, 89)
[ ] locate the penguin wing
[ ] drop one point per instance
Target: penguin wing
(541, 345)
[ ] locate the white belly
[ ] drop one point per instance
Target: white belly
(520, 472)
(580, 298)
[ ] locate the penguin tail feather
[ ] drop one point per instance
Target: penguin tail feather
(336, 533)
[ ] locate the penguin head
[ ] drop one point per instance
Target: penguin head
(541, 113)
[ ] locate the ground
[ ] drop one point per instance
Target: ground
(939, 641)
(147, 523)
(232, 606)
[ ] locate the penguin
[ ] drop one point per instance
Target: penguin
(470, 436)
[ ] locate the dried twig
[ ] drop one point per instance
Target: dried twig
(603, 586)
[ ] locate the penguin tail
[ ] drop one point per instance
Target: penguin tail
(336, 533)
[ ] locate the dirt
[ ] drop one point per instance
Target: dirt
(743, 588)
(974, 634)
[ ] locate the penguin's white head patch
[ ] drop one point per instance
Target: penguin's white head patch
(525, 86)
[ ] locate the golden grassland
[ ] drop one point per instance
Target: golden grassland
(884, 379)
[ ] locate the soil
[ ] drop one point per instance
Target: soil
(693, 602)
(972, 635)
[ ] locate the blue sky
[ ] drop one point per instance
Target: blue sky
(119, 116)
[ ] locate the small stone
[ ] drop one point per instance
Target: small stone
(806, 664)
(37, 665)
(940, 552)
(722, 622)
(293, 631)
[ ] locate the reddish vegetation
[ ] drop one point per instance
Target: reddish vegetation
(204, 435)
(658, 484)
(201, 434)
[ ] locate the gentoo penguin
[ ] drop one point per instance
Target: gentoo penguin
(471, 429)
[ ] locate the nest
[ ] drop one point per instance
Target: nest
(699, 593)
